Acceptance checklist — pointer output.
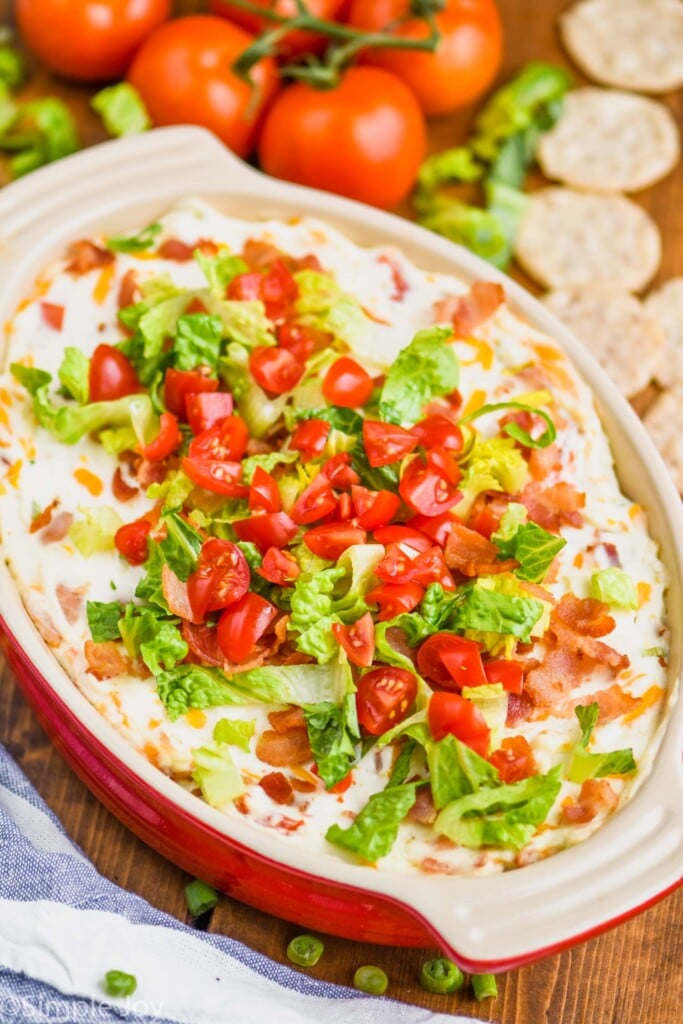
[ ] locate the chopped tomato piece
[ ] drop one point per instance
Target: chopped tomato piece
(279, 567)
(245, 287)
(264, 492)
(358, 640)
(242, 624)
(53, 315)
(310, 438)
(111, 375)
(430, 567)
(347, 384)
(315, 502)
(451, 662)
(278, 290)
(509, 673)
(394, 598)
(396, 566)
(178, 384)
(451, 713)
(303, 341)
(225, 442)
(131, 541)
(217, 477)
(275, 369)
(331, 540)
(205, 410)
(339, 472)
(514, 760)
(374, 508)
(437, 527)
(403, 535)
(167, 440)
(384, 698)
(221, 578)
(272, 529)
(386, 443)
(438, 431)
(440, 460)
(426, 490)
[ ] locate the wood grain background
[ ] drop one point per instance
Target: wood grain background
(631, 975)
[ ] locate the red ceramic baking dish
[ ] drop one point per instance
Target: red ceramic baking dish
(485, 923)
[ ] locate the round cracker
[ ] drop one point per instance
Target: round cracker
(663, 423)
(608, 141)
(665, 306)
(613, 324)
(634, 44)
(569, 238)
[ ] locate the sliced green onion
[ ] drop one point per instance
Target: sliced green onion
(654, 652)
(370, 979)
(200, 897)
(118, 984)
(514, 429)
(441, 976)
(305, 950)
(484, 986)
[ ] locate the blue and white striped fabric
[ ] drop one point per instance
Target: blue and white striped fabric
(63, 926)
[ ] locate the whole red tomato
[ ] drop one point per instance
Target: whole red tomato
(89, 40)
(293, 43)
(364, 139)
(465, 62)
(183, 72)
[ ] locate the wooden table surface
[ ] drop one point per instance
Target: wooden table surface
(631, 975)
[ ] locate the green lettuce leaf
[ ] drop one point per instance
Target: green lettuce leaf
(95, 531)
(438, 607)
(73, 374)
(532, 546)
(615, 587)
(296, 684)
(333, 734)
(196, 686)
(322, 304)
(415, 629)
(244, 323)
(504, 816)
(173, 491)
(103, 620)
(217, 775)
(494, 464)
(583, 765)
(401, 768)
(12, 65)
(219, 270)
(197, 341)
(492, 700)
(141, 242)
(181, 545)
(234, 731)
(425, 369)
(122, 110)
(267, 461)
(147, 634)
(260, 412)
(455, 770)
(485, 608)
(38, 132)
(373, 832)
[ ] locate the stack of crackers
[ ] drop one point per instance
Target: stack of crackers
(584, 240)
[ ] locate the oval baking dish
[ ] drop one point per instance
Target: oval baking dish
(634, 859)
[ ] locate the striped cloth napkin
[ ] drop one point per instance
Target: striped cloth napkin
(63, 926)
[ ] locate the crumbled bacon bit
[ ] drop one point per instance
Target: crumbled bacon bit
(613, 702)
(423, 810)
(291, 718)
(550, 683)
(544, 461)
(86, 256)
(151, 472)
(203, 644)
(520, 705)
(278, 787)
(398, 278)
(57, 528)
(302, 785)
(584, 615)
(175, 594)
(282, 749)
(121, 490)
(467, 312)
(43, 518)
(553, 506)
(255, 446)
(260, 255)
(128, 289)
(174, 249)
(70, 601)
(473, 555)
(596, 795)
(106, 659)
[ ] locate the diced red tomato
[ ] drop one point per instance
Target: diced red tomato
(374, 508)
(514, 759)
(430, 567)
(485, 521)
(310, 438)
(396, 566)
(384, 698)
(264, 492)
(438, 431)
(217, 477)
(339, 472)
(111, 375)
(272, 529)
(275, 369)
(451, 662)
(224, 442)
(315, 502)
(303, 341)
(331, 540)
(451, 713)
(426, 490)
(279, 567)
(245, 287)
(509, 673)
(394, 598)
(386, 443)
(440, 460)
(53, 315)
(358, 640)
(178, 384)
(344, 506)
(403, 535)
(278, 291)
(437, 527)
(166, 442)
(242, 624)
(205, 410)
(347, 384)
(131, 541)
(221, 578)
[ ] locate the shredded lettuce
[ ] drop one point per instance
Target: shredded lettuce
(217, 775)
(455, 770)
(173, 491)
(513, 429)
(268, 462)
(334, 734)
(219, 270)
(197, 341)
(425, 369)
(95, 531)
(234, 731)
(373, 833)
(494, 464)
(141, 242)
(438, 607)
(297, 684)
(103, 620)
(147, 634)
(122, 110)
(37, 132)
(487, 608)
(532, 546)
(73, 374)
(584, 765)
(615, 587)
(323, 305)
(260, 412)
(196, 686)
(492, 701)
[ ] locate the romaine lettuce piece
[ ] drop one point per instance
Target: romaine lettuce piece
(425, 369)
(584, 765)
(373, 833)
